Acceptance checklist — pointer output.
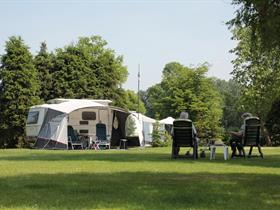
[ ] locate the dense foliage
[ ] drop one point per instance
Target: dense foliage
(263, 17)
(18, 91)
(273, 123)
(184, 88)
(256, 28)
(160, 137)
(88, 70)
(131, 102)
(257, 72)
(44, 64)
(230, 93)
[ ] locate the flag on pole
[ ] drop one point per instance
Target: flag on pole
(138, 71)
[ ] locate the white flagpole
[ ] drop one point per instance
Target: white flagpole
(138, 90)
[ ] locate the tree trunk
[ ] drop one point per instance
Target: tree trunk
(265, 133)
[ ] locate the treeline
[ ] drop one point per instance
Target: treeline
(86, 69)
(256, 29)
(187, 89)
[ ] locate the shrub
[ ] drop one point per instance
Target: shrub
(160, 137)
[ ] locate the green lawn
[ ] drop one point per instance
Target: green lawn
(136, 179)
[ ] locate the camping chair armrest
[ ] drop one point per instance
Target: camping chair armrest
(81, 137)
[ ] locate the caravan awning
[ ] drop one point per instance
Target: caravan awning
(70, 106)
(144, 118)
(167, 121)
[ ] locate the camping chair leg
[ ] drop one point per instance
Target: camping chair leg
(70, 142)
(250, 152)
(243, 151)
(233, 152)
(260, 151)
(173, 151)
(195, 151)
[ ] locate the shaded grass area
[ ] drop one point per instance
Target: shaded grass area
(136, 179)
(140, 191)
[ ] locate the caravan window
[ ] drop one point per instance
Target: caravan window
(83, 131)
(33, 117)
(84, 122)
(88, 115)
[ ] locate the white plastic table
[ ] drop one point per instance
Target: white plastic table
(124, 143)
(213, 151)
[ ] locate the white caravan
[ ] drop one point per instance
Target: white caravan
(47, 124)
(143, 128)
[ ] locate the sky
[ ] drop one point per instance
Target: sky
(147, 33)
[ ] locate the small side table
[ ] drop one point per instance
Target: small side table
(213, 151)
(123, 143)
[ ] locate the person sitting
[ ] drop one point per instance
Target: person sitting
(185, 115)
(236, 137)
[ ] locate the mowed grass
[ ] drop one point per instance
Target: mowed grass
(136, 179)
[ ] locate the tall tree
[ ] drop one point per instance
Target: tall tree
(153, 103)
(19, 90)
(131, 103)
(258, 73)
(44, 64)
(256, 27)
(183, 88)
(263, 17)
(273, 123)
(88, 69)
(230, 92)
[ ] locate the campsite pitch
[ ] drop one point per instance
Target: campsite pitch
(136, 179)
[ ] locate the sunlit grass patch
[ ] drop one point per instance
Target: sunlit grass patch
(136, 179)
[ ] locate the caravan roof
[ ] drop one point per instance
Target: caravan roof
(144, 118)
(69, 105)
(167, 121)
(105, 102)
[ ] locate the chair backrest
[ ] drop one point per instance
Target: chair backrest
(101, 133)
(71, 133)
(183, 132)
(251, 135)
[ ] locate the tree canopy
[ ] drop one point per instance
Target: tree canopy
(257, 72)
(88, 70)
(44, 63)
(18, 91)
(232, 109)
(187, 89)
(131, 102)
(263, 17)
(256, 28)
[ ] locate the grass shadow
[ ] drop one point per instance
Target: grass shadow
(141, 190)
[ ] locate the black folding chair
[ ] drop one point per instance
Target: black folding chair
(183, 136)
(252, 135)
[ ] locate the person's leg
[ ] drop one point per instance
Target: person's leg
(239, 149)
(233, 148)
(239, 145)
(232, 142)
(177, 150)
